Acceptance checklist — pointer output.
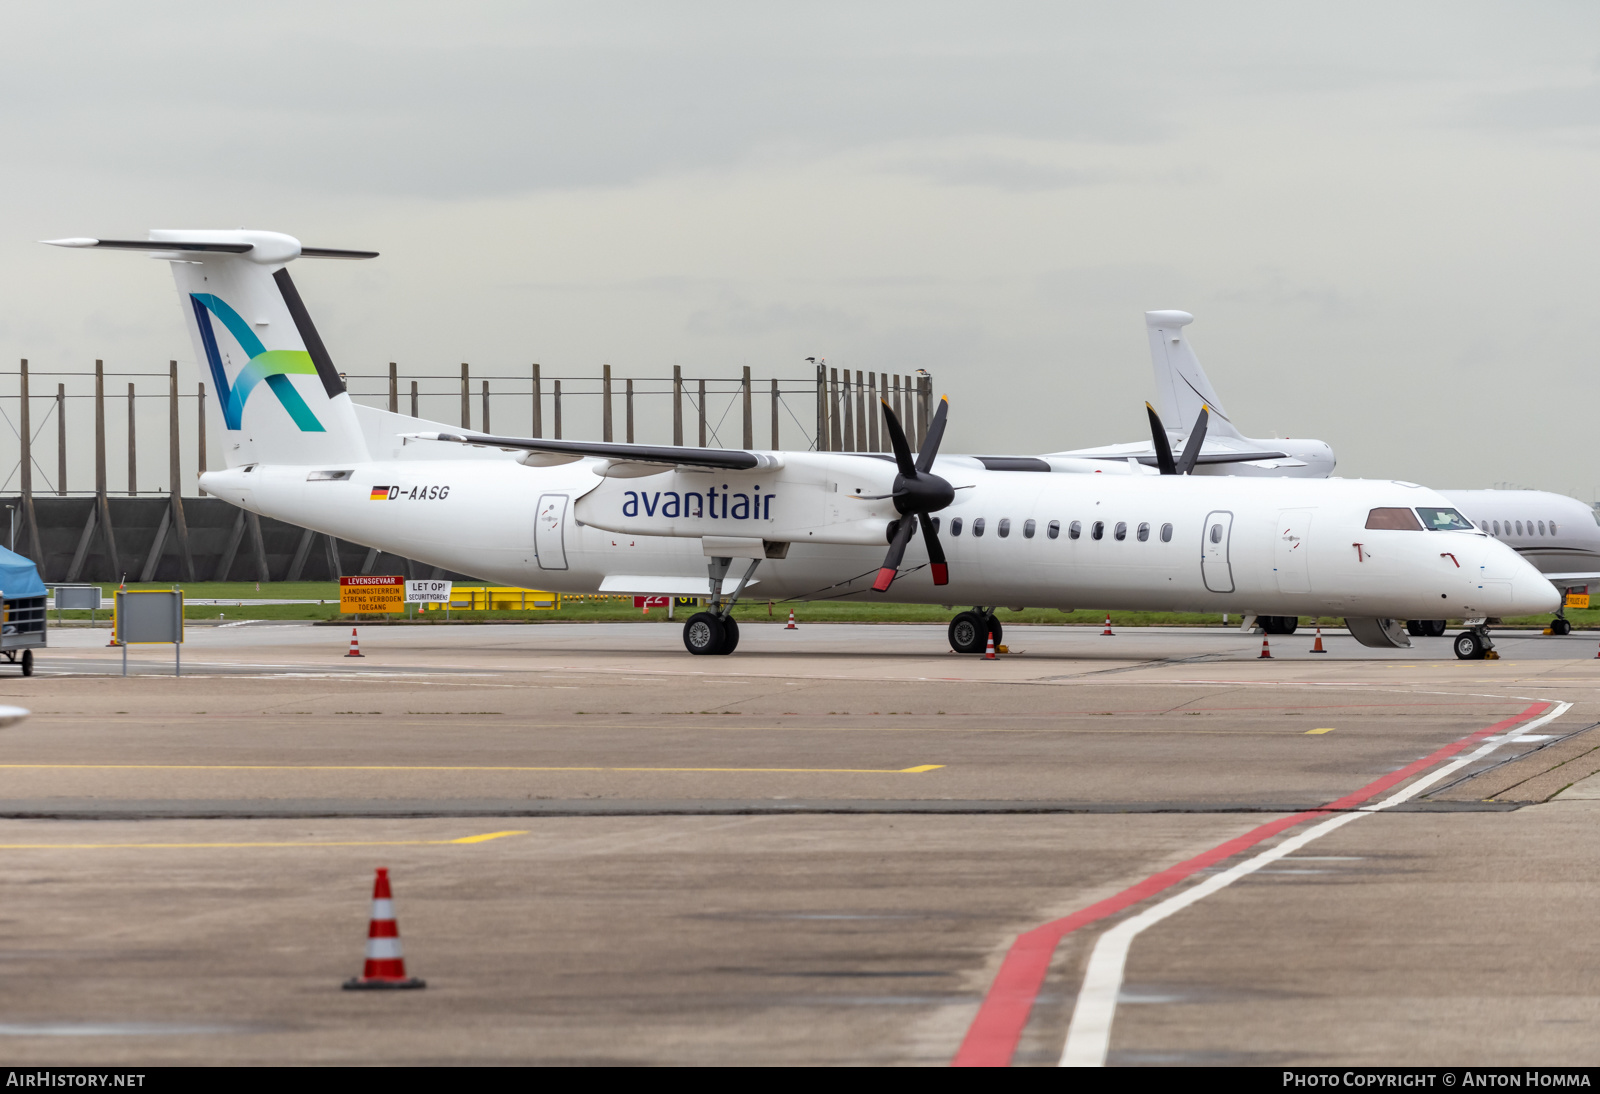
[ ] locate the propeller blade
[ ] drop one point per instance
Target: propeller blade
(897, 551)
(1197, 437)
(897, 441)
(941, 572)
(930, 443)
(1158, 434)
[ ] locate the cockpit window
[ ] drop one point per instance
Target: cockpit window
(1443, 520)
(1400, 520)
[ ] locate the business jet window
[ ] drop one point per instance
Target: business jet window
(1053, 529)
(1519, 527)
(1144, 532)
(1541, 527)
(1398, 520)
(1028, 528)
(1005, 527)
(1166, 533)
(1497, 528)
(1075, 529)
(1099, 530)
(977, 527)
(955, 526)
(1122, 530)
(1443, 520)
(1552, 528)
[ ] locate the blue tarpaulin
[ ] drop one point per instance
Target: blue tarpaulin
(18, 576)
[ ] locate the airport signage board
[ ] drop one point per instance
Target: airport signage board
(1577, 598)
(372, 594)
(651, 601)
(427, 592)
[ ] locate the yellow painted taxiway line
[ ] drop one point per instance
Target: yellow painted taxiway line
(1314, 732)
(483, 838)
(918, 770)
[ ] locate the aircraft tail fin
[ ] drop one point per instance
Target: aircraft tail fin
(1182, 388)
(274, 394)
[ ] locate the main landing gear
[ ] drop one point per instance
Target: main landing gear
(969, 631)
(716, 631)
(1425, 628)
(1473, 644)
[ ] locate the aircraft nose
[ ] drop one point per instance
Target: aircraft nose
(1534, 595)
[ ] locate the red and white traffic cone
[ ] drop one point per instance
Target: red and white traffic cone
(791, 626)
(385, 967)
(1316, 647)
(1266, 652)
(1107, 632)
(355, 646)
(988, 654)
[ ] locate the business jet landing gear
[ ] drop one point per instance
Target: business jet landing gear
(716, 631)
(1425, 628)
(969, 631)
(1474, 645)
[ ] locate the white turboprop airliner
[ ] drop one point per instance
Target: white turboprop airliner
(1182, 389)
(575, 516)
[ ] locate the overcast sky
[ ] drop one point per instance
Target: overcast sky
(1382, 215)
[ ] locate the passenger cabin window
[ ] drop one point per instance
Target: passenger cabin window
(1552, 528)
(1053, 529)
(955, 526)
(1076, 528)
(1099, 530)
(1005, 527)
(1028, 527)
(1443, 520)
(977, 527)
(1166, 533)
(1519, 527)
(1144, 531)
(1121, 531)
(1399, 520)
(1497, 528)
(1541, 527)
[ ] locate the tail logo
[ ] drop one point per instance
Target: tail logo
(273, 366)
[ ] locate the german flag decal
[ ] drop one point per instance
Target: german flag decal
(381, 493)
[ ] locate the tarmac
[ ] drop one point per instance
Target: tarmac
(822, 849)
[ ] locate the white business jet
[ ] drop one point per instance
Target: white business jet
(577, 516)
(1182, 390)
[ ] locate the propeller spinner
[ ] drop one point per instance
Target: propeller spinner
(917, 492)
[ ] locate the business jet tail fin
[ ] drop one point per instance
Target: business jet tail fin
(274, 394)
(1182, 389)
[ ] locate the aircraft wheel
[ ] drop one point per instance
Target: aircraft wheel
(27, 662)
(1435, 628)
(730, 635)
(1469, 647)
(703, 634)
(996, 629)
(1560, 626)
(968, 634)
(1414, 627)
(1288, 624)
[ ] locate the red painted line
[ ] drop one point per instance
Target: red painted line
(992, 1038)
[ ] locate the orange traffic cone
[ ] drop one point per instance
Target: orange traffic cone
(1107, 632)
(988, 654)
(355, 646)
(1316, 647)
(385, 967)
(791, 626)
(1266, 652)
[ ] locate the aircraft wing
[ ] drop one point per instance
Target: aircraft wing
(1573, 579)
(544, 453)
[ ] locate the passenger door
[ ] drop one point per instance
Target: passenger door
(1215, 568)
(548, 527)
(1290, 549)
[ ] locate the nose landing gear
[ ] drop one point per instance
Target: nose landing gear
(716, 631)
(1474, 645)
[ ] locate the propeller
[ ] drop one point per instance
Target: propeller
(1184, 464)
(917, 492)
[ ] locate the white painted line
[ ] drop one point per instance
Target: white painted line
(1089, 1034)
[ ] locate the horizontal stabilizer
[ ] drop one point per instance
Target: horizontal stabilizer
(199, 246)
(1204, 457)
(723, 459)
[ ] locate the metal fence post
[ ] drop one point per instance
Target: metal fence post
(175, 476)
(872, 412)
(556, 399)
(702, 413)
(677, 404)
(394, 388)
(775, 415)
(538, 403)
(61, 440)
(486, 428)
(466, 398)
(822, 408)
(628, 410)
(414, 413)
(605, 403)
(835, 440)
(200, 401)
(749, 423)
(133, 466)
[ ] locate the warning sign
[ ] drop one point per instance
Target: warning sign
(372, 594)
